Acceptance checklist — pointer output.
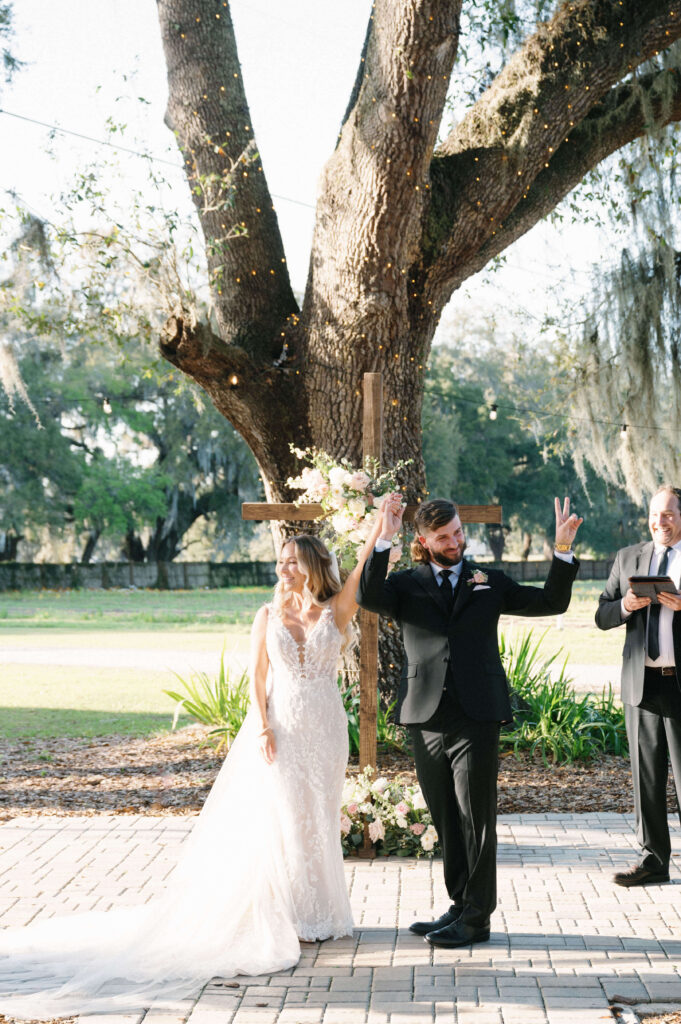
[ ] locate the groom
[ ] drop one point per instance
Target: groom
(453, 692)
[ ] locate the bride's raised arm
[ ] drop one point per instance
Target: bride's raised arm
(344, 604)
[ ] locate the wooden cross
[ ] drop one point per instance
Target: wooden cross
(372, 444)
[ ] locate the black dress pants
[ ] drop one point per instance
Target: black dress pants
(654, 734)
(457, 760)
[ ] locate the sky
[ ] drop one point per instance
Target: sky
(88, 60)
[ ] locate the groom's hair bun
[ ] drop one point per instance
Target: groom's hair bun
(431, 515)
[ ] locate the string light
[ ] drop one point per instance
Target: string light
(234, 381)
(493, 412)
(106, 407)
(623, 431)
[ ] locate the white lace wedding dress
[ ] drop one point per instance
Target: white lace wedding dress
(262, 868)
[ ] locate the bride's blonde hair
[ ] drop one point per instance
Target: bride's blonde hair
(320, 569)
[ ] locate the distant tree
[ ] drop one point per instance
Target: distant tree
(521, 459)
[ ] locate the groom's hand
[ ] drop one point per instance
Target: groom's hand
(566, 524)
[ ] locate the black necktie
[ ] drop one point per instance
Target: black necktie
(654, 616)
(446, 587)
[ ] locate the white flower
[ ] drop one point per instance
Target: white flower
(355, 537)
(338, 477)
(401, 822)
(345, 825)
(417, 801)
(380, 785)
(376, 830)
(429, 838)
(337, 500)
(342, 522)
(356, 507)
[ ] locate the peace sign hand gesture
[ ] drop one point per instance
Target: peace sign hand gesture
(566, 524)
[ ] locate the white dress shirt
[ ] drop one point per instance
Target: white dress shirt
(666, 614)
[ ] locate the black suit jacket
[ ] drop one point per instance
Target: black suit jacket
(466, 640)
(632, 561)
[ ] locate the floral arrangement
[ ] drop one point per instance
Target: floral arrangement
(350, 498)
(397, 815)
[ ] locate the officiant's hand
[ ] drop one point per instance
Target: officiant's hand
(672, 601)
(566, 524)
(392, 511)
(632, 602)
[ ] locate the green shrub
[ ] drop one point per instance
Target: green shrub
(221, 702)
(549, 716)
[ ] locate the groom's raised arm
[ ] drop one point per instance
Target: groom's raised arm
(376, 592)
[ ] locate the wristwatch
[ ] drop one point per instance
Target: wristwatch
(564, 549)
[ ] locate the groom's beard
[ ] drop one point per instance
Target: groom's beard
(449, 558)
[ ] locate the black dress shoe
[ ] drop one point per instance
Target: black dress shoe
(640, 875)
(423, 927)
(457, 934)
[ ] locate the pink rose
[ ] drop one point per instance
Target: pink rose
(402, 808)
(352, 809)
(358, 481)
(418, 828)
(345, 825)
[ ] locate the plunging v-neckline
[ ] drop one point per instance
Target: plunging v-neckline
(301, 645)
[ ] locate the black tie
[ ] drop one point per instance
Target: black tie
(654, 616)
(446, 588)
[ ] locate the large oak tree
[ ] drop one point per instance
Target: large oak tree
(401, 222)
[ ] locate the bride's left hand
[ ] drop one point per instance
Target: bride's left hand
(268, 747)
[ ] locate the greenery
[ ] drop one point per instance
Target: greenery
(521, 459)
(221, 702)
(129, 453)
(388, 734)
(550, 718)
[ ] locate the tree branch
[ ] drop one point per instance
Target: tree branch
(261, 402)
(208, 111)
(627, 114)
(507, 140)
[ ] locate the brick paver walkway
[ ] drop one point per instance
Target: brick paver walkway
(565, 940)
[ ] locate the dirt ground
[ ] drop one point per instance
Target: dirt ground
(172, 774)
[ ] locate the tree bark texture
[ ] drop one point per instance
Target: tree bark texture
(400, 224)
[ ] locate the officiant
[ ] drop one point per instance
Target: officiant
(651, 679)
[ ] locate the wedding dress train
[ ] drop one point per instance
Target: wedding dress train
(261, 869)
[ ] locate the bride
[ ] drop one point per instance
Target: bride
(263, 866)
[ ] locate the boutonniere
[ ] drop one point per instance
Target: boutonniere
(478, 577)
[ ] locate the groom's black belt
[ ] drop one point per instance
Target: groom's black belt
(661, 670)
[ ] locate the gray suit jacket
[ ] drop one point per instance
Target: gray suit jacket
(632, 561)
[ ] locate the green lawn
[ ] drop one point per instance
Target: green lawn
(66, 701)
(98, 699)
(129, 609)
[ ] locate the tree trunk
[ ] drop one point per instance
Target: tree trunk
(90, 545)
(9, 545)
(496, 538)
(527, 545)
